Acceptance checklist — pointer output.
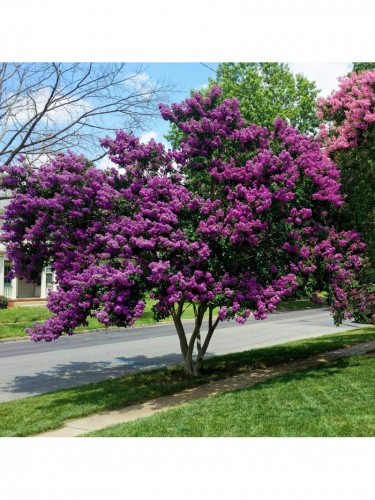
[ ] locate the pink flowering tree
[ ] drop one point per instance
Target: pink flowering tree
(237, 219)
(350, 112)
(348, 137)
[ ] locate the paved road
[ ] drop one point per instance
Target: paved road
(28, 368)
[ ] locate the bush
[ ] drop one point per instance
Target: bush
(3, 302)
(364, 307)
(363, 298)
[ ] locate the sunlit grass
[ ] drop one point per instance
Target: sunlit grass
(335, 400)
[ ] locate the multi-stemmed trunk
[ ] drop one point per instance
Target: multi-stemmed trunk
(194, 366)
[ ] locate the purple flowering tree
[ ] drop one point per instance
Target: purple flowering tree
(237, 219)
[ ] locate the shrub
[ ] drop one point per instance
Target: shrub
(3, 302)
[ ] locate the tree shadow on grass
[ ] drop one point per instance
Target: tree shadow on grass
(310, 374)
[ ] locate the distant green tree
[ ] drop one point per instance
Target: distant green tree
(265, 91)
(269, 90)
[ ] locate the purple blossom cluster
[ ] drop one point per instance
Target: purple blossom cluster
(238, 218)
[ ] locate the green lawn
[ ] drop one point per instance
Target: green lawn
(335, 400)
(37, 414)
(24, 315)
(14, 321)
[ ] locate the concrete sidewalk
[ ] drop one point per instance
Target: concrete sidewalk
(98, 421)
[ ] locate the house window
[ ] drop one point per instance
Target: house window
(49, 276)
(7, 281)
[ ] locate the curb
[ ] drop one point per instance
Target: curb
(96, 330)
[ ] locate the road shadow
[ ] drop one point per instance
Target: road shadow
(73, 374)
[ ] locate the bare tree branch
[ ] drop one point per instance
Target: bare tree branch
(46, 107)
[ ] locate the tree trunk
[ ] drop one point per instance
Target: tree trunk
(193, 366)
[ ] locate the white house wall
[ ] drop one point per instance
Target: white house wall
(19, 288)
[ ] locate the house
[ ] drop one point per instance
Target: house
(17, 288)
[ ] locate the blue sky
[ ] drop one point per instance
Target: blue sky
(185, 76)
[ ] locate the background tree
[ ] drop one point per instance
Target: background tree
(265, 91)
(238, 218)
(363, 66)
(46, 108)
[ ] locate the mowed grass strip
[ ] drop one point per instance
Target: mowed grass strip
(37, 414)
(330, 401)
(14, 321)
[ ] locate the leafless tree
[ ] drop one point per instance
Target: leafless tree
(46, 108)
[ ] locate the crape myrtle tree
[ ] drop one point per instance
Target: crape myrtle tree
(236, 219)
(348, 136)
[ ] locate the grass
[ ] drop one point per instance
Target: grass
(37, 414)
(24, 315)
(14, 321)
(297, 304)
(330, 401)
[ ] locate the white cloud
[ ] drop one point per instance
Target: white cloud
(139, 77)
(62, 112)
(147, 136)
(105, 163)
(324, 74)
(37, 160)
(142, 83)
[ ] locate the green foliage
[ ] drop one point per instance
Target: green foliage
(357, 167)
(3, 302)
(363, 66)
(268, 90)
